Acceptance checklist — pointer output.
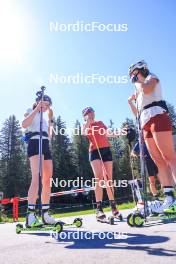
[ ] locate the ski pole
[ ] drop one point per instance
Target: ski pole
(142, 161)
(103, 166)
(40, 162)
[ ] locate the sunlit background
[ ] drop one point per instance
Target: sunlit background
(29, 52)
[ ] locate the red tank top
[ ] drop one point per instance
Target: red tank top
(96, 133)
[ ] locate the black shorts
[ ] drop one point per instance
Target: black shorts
(105, 154)
(33, 148)
(151, 167)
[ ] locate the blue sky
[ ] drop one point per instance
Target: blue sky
(29, 52)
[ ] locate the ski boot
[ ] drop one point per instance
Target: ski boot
(47, 219)
(160, 207)
(101, 217)
(32, 220)
(115, 212)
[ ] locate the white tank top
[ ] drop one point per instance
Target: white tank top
(35, 125)
(145, 99)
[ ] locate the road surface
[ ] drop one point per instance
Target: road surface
(93, 243)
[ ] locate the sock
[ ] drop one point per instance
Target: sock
(45, 208)
(99, 206)
(31, 208)
(113, 205)
(168, 191)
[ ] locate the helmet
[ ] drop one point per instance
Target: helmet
(45, 98)
(87, 110)
(139, 65)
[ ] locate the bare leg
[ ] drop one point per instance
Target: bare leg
(165, 144)
(110, 190)
(98, 173)
(33, 189)
(152, 185)
(47, 175)
(165, 176)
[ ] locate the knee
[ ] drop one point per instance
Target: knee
(169, 157)
(99, 176)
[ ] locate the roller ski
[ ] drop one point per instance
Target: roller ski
(162, 211)
(57, 227)
(48, 224)
(101, 217)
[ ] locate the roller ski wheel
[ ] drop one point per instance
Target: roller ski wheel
(78, 222)
(58, 227)
(130, 220)
(111, 220)
(19, 228)
(171, 211)
(138, 219)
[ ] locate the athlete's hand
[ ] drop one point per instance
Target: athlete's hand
(133, 154)
(131, 98)
(41, 104)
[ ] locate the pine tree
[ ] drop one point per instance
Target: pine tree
(63, 165)
(13, 161)
(172, 114)
(81, 146)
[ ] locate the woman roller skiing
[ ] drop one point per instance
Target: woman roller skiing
(100, 158)
(157, 129)
(32, 124)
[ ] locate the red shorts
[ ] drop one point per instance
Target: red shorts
(158, 123)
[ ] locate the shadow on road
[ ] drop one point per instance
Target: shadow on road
(137, 242)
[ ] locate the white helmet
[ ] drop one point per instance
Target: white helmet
(139, 65)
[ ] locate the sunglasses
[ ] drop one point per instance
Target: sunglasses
(134, 77)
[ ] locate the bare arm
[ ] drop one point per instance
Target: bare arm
(29, 117)
(149, 86)
(50, 123)
(132, 105)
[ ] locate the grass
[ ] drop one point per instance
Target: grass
(82, 212)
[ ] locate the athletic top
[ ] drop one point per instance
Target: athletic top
(145, 99)
(35, 125)
(97, 130)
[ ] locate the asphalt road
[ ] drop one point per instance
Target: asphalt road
(93, 243)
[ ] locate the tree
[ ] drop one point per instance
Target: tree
(81, 146)
(14, 173)
(172, 114)
(64, 168)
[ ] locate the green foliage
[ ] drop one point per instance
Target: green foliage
(14, 172)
